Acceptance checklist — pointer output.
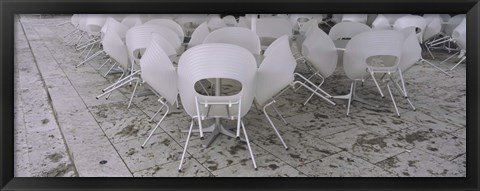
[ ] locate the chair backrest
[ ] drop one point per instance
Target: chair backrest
(82, 22)
(170, 24)
(165, 44)
(236, 35)
(434, 27)
(411, 21)
(216, 60)
(159, 72)
(381, 23)
(214, 22)
(337, 18)
(393, 17)
(112, 24)
(276, 70)
(374, 44)
(445, 17)
(132, 20)
(115, 48)
(460, 34)
(273, 27)
(230, 21)
(244, 22)
(94, 23)
(139, 37)
(412, 51)
(347, 30)
(199, 35)
(319, 50)
(453, 23)
(190, 20)
(75, 20)
(359, 18)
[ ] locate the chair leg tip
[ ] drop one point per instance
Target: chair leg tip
(256, 169)
(179, 170)
(238, 138)
(286, 148)
(142, 147)
(202, 138)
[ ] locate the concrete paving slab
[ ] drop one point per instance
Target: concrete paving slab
(432, 141)
(367, 145)
(268, 166)
(421, 164)
(155, 152)
(343, 164)
(190, 167)
(303, 147)
(224, 151)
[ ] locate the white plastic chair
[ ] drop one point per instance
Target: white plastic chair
(433, 29)
(381, 23)
(270, 28)
(190, 22)
(361, 55)
(447, 33)
(230, 21)
(198, 35)
(170, 24)
(236, 35)
(244, 22)
(132, 20)
(116, 49)
(359, 18)
(393, 17)
(114, 26)
(160, 74)
(198, 63)
(138, 39)
(274, 74)
(453, 23)
(412, 21)
(346, 30)
(459, 37)
(215, 22)
(321, 57)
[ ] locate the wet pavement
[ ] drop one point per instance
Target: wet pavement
(62, 130)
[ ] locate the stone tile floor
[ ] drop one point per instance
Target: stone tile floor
(62, 130)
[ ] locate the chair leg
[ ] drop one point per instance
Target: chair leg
(393, 99)
(429, 51)
(463, 58)
(90, 58)
(185, 147)
(108, 60)
(314, 91)
(376, 83)
(352, 89)
(239, 114)
(156, 126)
(156, 113)
(199, 117)
(279, 114)
(431, 64)
(273, 125)
(249, 147)
(133, 93)
(318, 87)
